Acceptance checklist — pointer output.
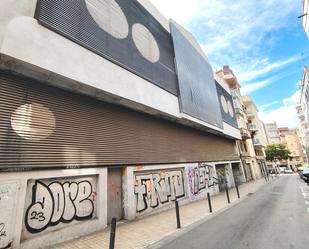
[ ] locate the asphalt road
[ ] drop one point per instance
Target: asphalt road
(275, 217)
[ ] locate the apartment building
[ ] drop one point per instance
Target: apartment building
(108, 110)
(272, 133)
(245, 145)
(305, 17)
(259, 137)
(303, 132)
(290, 138)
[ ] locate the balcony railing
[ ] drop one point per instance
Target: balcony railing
(245, 134)
(256, 142)
(250, 114)
(252, 127)
(239, 111)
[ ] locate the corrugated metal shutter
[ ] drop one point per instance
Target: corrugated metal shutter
(43, 126)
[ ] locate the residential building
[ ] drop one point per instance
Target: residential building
(305, 17)
(245, 145)
(272, 133)
(303, 132)
(104, 116)
(258, 132)
(304, 97)
(290, 138)
(303, 112)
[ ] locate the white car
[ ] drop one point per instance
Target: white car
(288, 171)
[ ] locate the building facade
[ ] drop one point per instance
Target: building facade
(303, 110)
(290, 138)
(272, 133)
(259, 137)
(245, 145)
(108, 110)
(305, 17)
(303, 132)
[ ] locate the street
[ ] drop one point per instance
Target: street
(277, 216)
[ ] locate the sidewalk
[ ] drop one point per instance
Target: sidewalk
(143, 232)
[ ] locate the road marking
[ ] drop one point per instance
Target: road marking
(303, 192)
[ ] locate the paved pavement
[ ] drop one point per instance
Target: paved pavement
(276, 217)
(146, 231)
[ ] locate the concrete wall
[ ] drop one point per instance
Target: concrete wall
(151, 189)
(41, 208)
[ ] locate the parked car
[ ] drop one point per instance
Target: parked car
(305, 175)
(288, 171)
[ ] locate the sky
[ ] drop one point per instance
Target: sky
(263, 42)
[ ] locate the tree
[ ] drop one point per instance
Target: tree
(277, 151)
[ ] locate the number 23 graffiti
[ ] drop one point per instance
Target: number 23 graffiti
(58, 202)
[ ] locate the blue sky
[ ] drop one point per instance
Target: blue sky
(262, 41)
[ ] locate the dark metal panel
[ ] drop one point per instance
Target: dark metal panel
(72, 19)
(226, 106)
(43, 126)
(197, 87)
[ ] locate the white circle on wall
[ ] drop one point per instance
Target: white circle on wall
(230, 107)
(33, 121)
(224, 104)
(145, 43)
(109, 16)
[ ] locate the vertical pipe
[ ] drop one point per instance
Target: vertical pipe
(227, 193)
(112, 234)
(177, 214)
(209, 202)
(237, 190)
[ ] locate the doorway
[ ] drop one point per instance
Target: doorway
(114, 194)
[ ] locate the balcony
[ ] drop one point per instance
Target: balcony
(252, 127)
(245, 134)
(250, 114)
(256, 142)
(239, 111)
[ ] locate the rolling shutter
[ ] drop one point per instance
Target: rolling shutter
(43, 126)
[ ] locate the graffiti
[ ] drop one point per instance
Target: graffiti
(200, 178)
(154, 189)
(2, 231)
(59, 202)
(8, 201)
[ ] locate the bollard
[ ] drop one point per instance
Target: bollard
(177, 214)
(237, 190)
(227, 193)
(112, 234)
(209, 202)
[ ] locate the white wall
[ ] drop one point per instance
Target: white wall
(33, 205)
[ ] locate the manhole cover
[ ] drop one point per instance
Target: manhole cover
(250, 194)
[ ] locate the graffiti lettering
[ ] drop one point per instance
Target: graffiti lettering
(158, 188)
(2, 231)
(200, 178)
(58, 202)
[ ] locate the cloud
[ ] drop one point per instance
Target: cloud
(293, 100)
(247, 89)
(263, 67)
(184, 11)
(237, 34)
(252, 87)
(264, 107)
(285, 115)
